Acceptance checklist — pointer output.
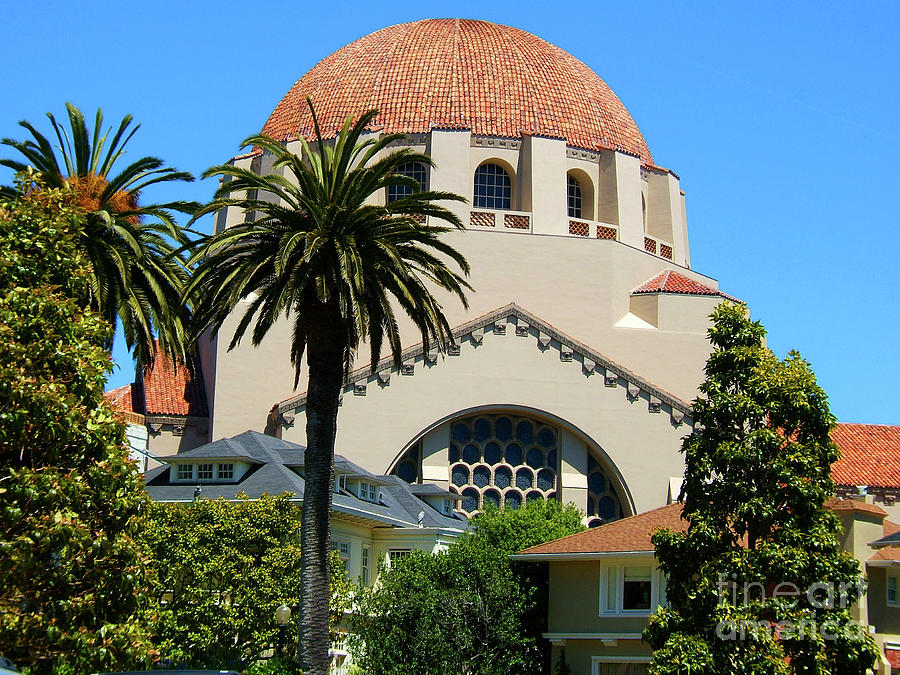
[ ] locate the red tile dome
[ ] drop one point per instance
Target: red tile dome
(458, 73)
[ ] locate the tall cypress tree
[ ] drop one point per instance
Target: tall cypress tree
(758, 583)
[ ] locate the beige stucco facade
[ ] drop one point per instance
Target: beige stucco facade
(574, 275)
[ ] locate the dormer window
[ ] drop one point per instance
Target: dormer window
(340, 483)
(225, 471)
(204, 471)
(185, 472)
(368, 492)
(448, 507)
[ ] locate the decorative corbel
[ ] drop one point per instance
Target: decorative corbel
(565, 353)
(611, 379)
(359, 389)
(500, 327)
(287, 419)
(408, 368)
(588, 366)
(477, 336)
(522, 329)
(431, 356)
(453, 349)
(655, 404)
(633, 390)
(384, 376)
(677, 416)
(543, 339)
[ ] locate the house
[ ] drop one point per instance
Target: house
(604, 585)
(373, 517)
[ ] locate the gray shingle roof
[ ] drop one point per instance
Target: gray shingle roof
(277, 467)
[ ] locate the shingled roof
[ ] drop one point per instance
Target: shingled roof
(870, 455)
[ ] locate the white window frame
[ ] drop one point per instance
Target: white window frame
(887, 589)
(179, 467)
(396, 554)
(655, 585)
(343, 547)
(448, 507)
(368, 491)
(364, 562)
(211, 470)
(597, 660)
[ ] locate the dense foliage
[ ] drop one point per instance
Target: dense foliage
(71, 578)
(314, 251)
(222, 569)
(135, 276)
(748, 583)
(467, 610)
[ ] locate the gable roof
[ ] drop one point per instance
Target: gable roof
(271, 472)
(630, 534)
(870, 455)
(670, 281)
(889, 553)
(517, 319)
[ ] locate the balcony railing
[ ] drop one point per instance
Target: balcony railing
(587, 228)
(513, 220)
(658, 247)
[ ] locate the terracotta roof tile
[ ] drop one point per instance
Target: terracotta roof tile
(891, 553)
(628, 534)
(671, 281)
(870, 455)
(837, 504)
(890, 528)
(633, 533)
(171, 392)
(460, 74)
(124, 399)
(162, 391)
(893, 657)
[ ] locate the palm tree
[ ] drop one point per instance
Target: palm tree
(136, 274)
(313, 250)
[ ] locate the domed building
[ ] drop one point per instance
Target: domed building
(586, 333)
(571, 372)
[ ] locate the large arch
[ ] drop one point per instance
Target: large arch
(501, 462)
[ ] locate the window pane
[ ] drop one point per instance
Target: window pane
(185, 471)
(493, 188)
(642, 573)
(636, 595)
(611, 586)
(226, 471)
(204, 471)
(414, 170)
(574, 197)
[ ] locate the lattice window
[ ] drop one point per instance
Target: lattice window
(225, 471)
(481, 219)
(649, 245)
(493, 188)
(502, 461)
(574, 197)
(579, 228)
(185, 471)
(665, 251)
(603, 502)
(204, 471)
(517, 221)
(415, 170)
(407, 467)
(604, 232)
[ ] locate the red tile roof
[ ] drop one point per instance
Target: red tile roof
(893, 657)
(628, 534)
(171, 392)
(633, 533)
(837, 504)
(460, 74)
(890, 528)
(670, 281)
(163, 391)
(891, 553)
(124, 399)
(870, 455)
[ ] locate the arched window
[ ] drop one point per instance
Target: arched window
(415, 170)
(493, 188)
(574, 195)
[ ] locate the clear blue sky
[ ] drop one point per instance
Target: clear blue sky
(780, 119)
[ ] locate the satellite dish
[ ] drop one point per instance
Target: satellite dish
(420, 517)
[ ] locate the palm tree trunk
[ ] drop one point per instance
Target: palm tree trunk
(325, 358)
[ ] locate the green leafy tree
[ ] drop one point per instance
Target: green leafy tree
(468, 610)
(222, 569)
(135, 276)
(748, 582)
(315, 252)
(72, 580)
